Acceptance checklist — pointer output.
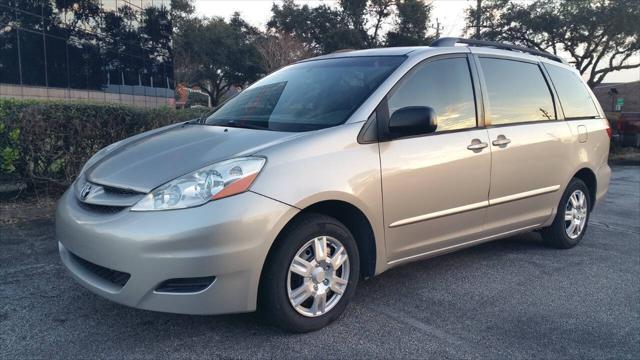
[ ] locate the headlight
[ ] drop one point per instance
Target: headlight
(212, 182)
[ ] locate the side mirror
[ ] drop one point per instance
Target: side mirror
(413, 120)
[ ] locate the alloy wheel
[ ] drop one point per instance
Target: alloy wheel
(575, 215)
(318, 276)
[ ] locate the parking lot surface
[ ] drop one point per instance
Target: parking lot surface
(513, 298)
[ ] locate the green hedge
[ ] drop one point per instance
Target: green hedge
(45, 143)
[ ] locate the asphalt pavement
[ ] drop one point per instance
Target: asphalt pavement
(514, 298)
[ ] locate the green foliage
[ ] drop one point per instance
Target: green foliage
(181, 10)
(47, 142)
(599, 36)
(413, 18)
(9, 150)
(9, 156)
(320, 28)
(214, 55)
(325, 29)
(355, 24)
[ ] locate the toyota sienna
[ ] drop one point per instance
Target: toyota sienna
(336, 169)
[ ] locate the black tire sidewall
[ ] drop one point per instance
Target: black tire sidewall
(275, 304)
(560, 235)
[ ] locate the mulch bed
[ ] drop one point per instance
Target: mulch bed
(27, 209)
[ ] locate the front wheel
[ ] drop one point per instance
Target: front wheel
(570, 223)
(311, 274)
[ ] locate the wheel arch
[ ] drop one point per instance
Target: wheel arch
(354, 219)
(589, 178)
(358, 224)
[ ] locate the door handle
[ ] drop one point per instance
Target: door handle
(501, 141)
(477, 145)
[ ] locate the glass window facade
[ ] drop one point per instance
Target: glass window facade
(90, 44)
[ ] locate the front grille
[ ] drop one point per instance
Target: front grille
(119, 191)
(185, 285)
(104, 199)
(103, 209)
(113, 276)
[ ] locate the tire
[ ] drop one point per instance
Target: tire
(558, 233)
(276, 301)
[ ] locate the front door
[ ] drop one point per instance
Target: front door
(435, 186)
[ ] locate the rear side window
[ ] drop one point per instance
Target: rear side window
(575, 99)
(517, 92)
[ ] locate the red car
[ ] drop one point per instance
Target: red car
(627, 129)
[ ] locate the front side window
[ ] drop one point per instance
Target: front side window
(444, 85)
(307, 96)
(517, 92)
(574, 97)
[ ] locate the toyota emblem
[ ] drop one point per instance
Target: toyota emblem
(86, 190)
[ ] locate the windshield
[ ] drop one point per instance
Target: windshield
(307, 96)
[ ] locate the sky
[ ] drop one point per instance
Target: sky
(450, 14)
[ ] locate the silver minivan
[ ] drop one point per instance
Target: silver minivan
(335, 169)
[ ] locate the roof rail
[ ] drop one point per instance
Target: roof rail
(452, 41)
(343, 50)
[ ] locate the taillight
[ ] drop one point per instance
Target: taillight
(608, 128)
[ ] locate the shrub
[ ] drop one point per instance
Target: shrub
(45, 143)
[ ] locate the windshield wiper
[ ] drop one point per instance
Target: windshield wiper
(197, 121)
(202, 119)
(192, 122)
(245, 125)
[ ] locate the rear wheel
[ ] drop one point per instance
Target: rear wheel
(311, 274)
(570, 223)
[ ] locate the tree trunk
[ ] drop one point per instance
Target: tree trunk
(478, 17)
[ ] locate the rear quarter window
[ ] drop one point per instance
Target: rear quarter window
(574, 97)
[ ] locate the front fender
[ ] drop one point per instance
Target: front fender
(328, 165)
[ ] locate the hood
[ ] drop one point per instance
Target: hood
(151, 159)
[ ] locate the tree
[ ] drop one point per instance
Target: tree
(214, 55)
(280, 49)
(354, 12)
(477, 18)
(379, 11)
(123, 49)
(411, 27)
(356, 24)
(321, 29)
(79, 14)
(599, 36)
(366, 18)
(181, 10)
(155, 34)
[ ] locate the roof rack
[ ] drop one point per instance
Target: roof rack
(452, 41)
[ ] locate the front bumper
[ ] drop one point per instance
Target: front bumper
(227, 238)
